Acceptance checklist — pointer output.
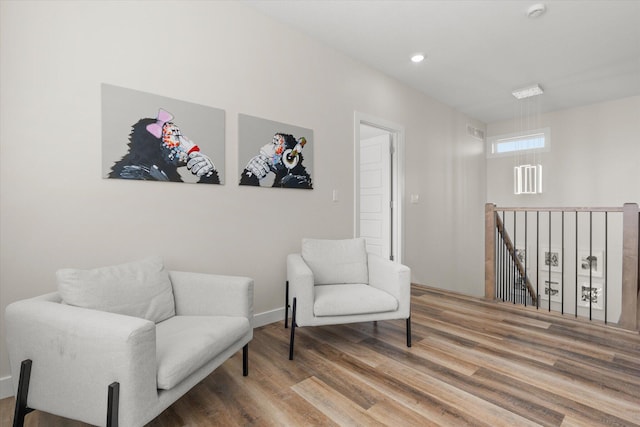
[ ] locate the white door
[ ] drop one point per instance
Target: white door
(376, 194)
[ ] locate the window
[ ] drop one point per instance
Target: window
(519, 143)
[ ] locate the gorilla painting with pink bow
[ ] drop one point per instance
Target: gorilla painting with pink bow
(157, 148)
(149, 137)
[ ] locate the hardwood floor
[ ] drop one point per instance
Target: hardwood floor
(472, 363)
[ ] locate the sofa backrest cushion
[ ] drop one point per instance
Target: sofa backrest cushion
(141, 289)
(336, 261)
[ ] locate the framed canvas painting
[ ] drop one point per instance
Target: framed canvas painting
(551, 259)
(154, 138)
(274, 154)
(590, 295)
(552, 288)
(590, 263)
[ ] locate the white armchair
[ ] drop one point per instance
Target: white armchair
(336, 282)
(119, 353)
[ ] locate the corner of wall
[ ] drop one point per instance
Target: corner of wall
(6, 387)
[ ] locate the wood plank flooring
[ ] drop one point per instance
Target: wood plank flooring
(473, 363)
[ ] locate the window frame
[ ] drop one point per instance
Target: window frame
(493, 141)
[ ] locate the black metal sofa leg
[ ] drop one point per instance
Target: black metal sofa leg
(286, 305)
(409, 331)
(113, 403)
(293, 329)
(21, 409)
(245, 360)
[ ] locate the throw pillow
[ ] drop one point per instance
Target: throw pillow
(336, 261)
(141, 289)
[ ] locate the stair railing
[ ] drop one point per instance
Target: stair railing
(594, 288)
(522, 273)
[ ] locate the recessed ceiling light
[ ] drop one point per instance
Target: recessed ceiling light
(527, 92)
(536, 10)
(418, 57)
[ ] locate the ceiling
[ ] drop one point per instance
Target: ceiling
(478, 51)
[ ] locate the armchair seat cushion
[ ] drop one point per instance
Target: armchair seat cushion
(351, 299)
(185, 343)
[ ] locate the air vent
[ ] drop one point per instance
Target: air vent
(475, 132)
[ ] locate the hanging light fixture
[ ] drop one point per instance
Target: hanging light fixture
(527, 92)
(527, 177)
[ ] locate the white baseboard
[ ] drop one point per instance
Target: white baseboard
(260, 319)
(6, 387)
(267, 317)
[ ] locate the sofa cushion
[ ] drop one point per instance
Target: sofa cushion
(185, 343)
(336, 261)
(351, 299)
(140, 289)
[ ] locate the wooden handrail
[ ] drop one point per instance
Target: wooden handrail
(556, 209)
(512, 252)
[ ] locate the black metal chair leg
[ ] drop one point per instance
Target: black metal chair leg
(293, 329)
(245, 360)
(409, 331)
(21, 408)
(113, 403)
(286, 305)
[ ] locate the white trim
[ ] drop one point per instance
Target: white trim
(6, 387)
(492, 140)
(267, 317)
(397, 132)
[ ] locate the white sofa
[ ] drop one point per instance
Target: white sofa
(150, 356)
(336, 281)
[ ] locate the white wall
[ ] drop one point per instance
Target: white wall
(445, 229)
(56, 210)
(594, 158)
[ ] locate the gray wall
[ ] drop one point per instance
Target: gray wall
(56, 211)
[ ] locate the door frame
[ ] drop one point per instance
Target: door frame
(397, 176)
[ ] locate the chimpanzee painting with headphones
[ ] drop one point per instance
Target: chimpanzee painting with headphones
(273, 154)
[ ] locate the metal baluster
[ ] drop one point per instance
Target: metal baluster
(537, 258)
(562, 272)
(605, 300)
(549, 274)
(526, 253)
(576, 264)
(590, 260)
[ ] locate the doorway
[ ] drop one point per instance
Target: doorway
(379, 173)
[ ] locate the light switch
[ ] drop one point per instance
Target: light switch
(335, 196)
(415, 198)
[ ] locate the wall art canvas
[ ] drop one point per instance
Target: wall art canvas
(273, 154)
(590, 263)
(552, 288)
(154, 138)
(591, 295)
(550, 259)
